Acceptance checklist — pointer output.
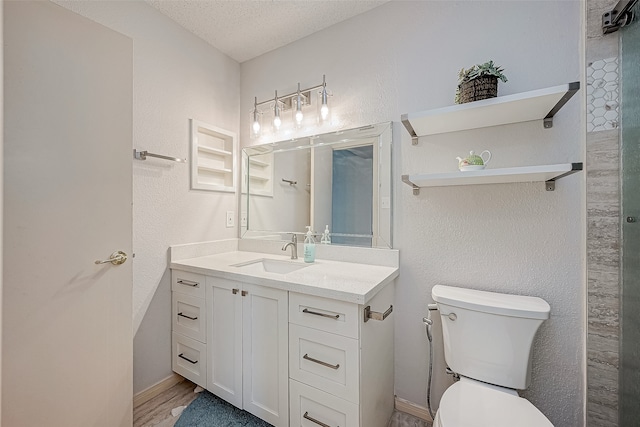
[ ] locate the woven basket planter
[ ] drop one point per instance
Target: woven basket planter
(477, 89)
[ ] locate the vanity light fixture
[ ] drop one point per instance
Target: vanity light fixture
(296, 102)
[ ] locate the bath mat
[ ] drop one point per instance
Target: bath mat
(208, 410)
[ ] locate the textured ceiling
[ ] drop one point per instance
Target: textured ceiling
(244, 29)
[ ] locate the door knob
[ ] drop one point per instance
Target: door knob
(116, 258)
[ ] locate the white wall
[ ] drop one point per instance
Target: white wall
(517, 238)
(177, 76)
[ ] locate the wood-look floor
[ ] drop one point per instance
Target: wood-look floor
(157, 411)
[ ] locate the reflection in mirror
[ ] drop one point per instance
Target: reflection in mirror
(341, 180)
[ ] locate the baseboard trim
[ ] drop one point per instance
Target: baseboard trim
(413, 409)
(146, 395)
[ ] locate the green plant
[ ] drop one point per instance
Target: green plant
(477, 71)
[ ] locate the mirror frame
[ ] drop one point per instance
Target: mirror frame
(262, 157)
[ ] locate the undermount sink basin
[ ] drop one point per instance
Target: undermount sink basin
(265, 265)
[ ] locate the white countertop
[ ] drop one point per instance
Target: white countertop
(345, 281)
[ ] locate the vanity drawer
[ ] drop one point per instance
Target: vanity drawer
(189, 316)
(325, 361)
(189, 359)
(337, 317)
(187, 283)
(310, 407)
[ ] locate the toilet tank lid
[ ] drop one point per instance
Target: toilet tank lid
(492, 302)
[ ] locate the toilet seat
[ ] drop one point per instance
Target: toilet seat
(471, 404)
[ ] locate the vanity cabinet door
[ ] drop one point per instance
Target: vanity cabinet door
(188, 316)
(189, 358)
(224, 339)
(265, 354)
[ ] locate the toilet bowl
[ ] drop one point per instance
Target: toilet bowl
(470, 403)
(488, 340)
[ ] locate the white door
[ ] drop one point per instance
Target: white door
(67, 326)
(265, 354)
(224, 339)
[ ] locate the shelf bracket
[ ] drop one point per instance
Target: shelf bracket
(416, 189)
(550, 185)
(622, 14)
(412, 132)
(548, 120)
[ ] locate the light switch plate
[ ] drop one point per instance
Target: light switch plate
(243, 219)
(230, 222)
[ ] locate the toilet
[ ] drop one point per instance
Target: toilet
(488, 339)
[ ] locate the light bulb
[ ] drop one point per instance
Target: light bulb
(276, 113)
(255, 126)
(298, 116)
(324, 111)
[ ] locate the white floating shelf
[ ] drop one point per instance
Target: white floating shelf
(258, 162)
(541, 104)
(544, 173)
(212, 169)
(214, 150)
(259, 178)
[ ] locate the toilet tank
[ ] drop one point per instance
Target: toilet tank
(488, 336)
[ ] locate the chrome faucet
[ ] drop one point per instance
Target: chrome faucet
(294, 246)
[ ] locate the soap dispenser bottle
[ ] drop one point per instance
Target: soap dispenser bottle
(326, 238)
(309, 246)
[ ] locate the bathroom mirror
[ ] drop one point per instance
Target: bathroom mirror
(340, 179)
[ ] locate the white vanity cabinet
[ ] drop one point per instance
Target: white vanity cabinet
(340, 367)
(247, 340)
(301, 350)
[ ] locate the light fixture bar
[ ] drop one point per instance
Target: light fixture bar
(287, 99)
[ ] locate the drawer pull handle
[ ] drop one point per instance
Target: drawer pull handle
(375, 315)
(181, 356)
(313, 420)
(188, 317)
(321, 314)
(320, 362)
(188, 283)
